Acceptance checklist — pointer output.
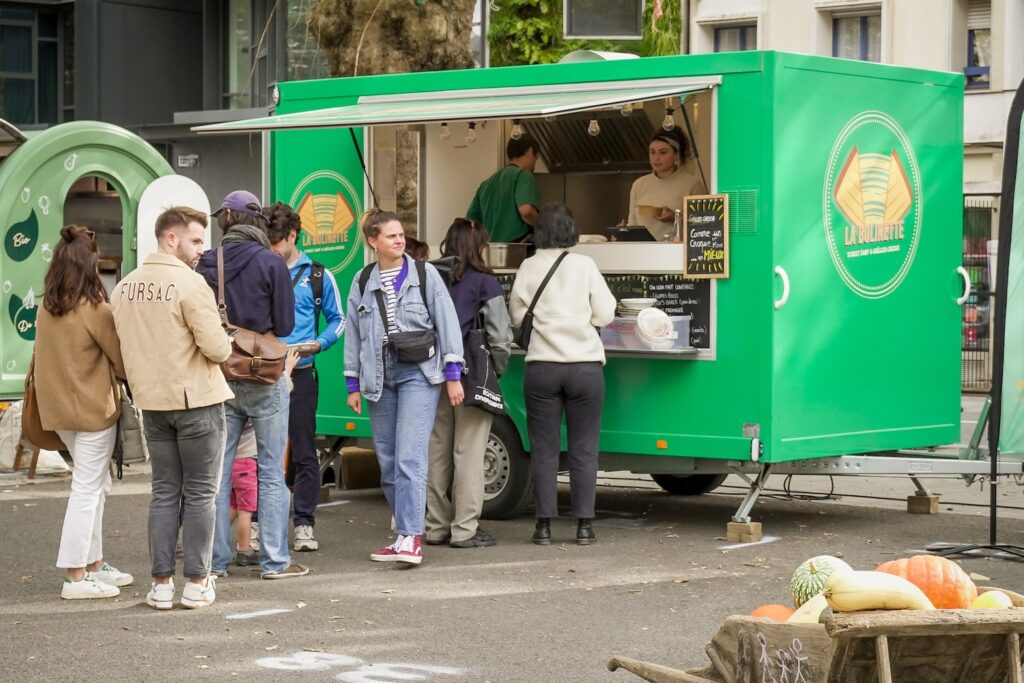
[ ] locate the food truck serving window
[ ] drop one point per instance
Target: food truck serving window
(470, 105)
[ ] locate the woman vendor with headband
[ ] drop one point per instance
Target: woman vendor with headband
(654, 198)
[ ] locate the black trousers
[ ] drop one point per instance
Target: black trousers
(577, 389)
(304, 464)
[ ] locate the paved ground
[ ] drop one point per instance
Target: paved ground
(655, 586)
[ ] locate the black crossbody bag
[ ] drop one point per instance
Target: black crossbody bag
(410, 347)
(525, 330)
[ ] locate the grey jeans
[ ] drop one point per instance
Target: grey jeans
(577, 389)
(186, 449)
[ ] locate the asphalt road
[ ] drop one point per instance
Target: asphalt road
(655, 586)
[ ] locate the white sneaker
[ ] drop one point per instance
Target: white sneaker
(161, 595)
(254, 536)
(304, 541)
(196, 595)
(112, 576)
(87, 588)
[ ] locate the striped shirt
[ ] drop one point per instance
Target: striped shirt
(387, 283)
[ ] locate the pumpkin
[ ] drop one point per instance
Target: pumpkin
(774, 612)
(810, 577)
(943, 581)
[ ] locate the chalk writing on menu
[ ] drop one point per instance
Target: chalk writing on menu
(706, 236)
(676, 295)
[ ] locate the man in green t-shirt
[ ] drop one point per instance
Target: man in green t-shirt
(506, 203)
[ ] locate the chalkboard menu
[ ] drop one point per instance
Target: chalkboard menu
(706, 236)
(676, 295)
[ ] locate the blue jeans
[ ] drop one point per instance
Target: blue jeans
(402, 421)
(267, 406)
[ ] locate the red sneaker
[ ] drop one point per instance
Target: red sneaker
(409, 550)
(389, 553)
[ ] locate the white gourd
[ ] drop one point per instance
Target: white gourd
(810, 611)
(810, 577)
(856, 591)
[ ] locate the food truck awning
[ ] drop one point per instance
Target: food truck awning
(473, 105)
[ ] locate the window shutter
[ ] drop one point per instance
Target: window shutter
(979, 14)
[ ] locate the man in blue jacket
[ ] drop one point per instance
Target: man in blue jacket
(315, 292)
(258, 294)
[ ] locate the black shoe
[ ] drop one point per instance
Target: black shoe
(585, 532)
(542, 532)
(437, 541)
(481, 539)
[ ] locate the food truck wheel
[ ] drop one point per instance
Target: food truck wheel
(507, 484)
(688, 484)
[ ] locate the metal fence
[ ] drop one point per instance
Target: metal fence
(976, 332)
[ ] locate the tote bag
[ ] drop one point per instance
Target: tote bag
(31, 422)
(480, 382)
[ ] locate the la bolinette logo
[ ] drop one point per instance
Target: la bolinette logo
(329, 207)
(872, 205)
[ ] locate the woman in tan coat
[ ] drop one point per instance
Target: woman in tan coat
(77, 361)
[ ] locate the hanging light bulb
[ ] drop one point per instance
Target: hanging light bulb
(669, 122)
(445, 133)
(471, 133)
(627, 109)
(594, 128)
(517, 130)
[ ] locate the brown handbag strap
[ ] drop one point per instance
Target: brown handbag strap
(222, 306)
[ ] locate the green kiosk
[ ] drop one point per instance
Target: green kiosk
(820, 279)
(83, 172)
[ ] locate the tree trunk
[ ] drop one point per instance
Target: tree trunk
(364, 37)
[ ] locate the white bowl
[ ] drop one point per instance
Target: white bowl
(653, 324)
(637, 303)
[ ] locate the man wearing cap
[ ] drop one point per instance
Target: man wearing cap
(258, 295)
(506, 203)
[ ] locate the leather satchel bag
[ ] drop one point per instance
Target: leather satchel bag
(255, 358)
(521, 335)
(31, 422)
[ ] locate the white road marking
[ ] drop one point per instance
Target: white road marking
(261, 613)
(332, 504)
(737, 546)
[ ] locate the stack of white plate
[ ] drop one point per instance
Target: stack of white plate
(629, 308)
(654, 328)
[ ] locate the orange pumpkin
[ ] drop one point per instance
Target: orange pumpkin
(775, 612)
(943, 581)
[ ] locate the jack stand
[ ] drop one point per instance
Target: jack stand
(741, 529)
(923, 502)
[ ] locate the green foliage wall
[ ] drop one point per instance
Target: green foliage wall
(530, 32)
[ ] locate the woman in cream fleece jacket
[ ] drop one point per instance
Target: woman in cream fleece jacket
(564, 368)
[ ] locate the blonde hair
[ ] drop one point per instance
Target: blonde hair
(372, 220)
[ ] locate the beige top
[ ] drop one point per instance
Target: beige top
(575, 301)
(650, 190)
(171, 336)
(76, 358)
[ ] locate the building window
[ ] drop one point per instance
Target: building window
(305, 58)
(237, 54)
(736, 38)
(36, 66)
(979, 43)
(857, 37)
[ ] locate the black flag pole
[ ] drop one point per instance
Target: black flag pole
(1011, 153)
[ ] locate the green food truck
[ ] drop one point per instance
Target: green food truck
(820, 279)
(815, 291)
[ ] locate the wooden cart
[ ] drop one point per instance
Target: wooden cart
(954, 646)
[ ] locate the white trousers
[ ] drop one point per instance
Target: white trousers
(81, 541)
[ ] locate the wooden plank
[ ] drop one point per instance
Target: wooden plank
(882, 659)
(924, 623)
(1013, 645)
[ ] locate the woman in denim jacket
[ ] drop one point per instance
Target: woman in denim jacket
(402, 396)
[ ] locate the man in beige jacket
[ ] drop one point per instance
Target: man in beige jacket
(172, 342)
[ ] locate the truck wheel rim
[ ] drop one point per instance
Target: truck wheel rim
(497, 467)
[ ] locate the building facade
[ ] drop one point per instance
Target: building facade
(980, 38)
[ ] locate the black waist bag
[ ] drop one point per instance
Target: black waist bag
(413, 347)
(410, 347)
